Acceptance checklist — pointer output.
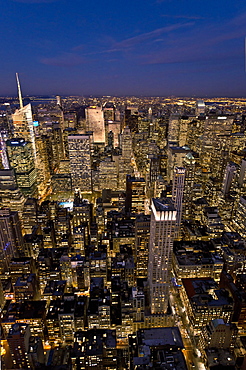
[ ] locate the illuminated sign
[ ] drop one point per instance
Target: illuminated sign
(35, 123)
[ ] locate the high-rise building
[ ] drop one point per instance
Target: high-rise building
(23, 125)
(142, 232)
(200, 107)
(125, 167)
(108, 174)
(80, 162)
(30, 215)
(42, 165)
(10, 195)
(135, 194)
(230, 172)
(173, 130)
(177, 195)
(21, 159)
(95, 123)
(10, 237)
(162, 231)
(189, 165)
(18, 340)
(176, 157)
(3, 153)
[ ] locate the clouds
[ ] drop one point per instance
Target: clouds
(64, 60)
(147, 36)
(182, 16)
(81, 54)
(210, 43)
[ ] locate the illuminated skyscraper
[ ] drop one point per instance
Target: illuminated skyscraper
(11, 240)
(162, 231)
(125, 167)
(200, 107)
(142, 232)
(173, 130)
(189, 164)
(42, 166)
(10, 195)
(177, 195)
(95, 122)
(80, 162)
(21, 159)
(23, 122)
(3, 153)
(230, 172)
(23, 125)
(135, 194)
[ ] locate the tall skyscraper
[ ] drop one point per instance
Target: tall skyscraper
(23, 125)
(189, 165)
(200, 107)
(21, 159)
(125, 167)
(10, 195)
(80, 162)
(3, 153)
(162, 231)
(23, 122)
(30, 215)
(173, 130)
(135, 194)
(95, 122)
(177, 195)
(230, 172)
(11, 240)
(142, 232)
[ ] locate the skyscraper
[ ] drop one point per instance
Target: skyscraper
(10, 237)
(177, 195)
(125, 167)
(229, 174)
(23, 125)
(80, 162)
(162, 231)
(135, 194)
(95, 123)
(21, 159)
(3, 153)
(10, 195)
(189, 164)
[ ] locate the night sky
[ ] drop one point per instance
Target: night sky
(130, 47)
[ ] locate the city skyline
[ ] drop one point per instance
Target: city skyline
(153, 49)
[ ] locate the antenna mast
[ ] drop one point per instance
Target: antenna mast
(19, 91)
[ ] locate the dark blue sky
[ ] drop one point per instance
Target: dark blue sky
(123, 47)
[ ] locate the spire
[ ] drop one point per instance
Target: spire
(19, 91)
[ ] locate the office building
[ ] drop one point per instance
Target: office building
(162, 231)
(21, 159)
(11, 241)
(95, 123)
(10, 195)
(205, 302)
(229, 175)
(18, 341)
(177, 195)
(80, 162)
(200, 107)
(135, 194)
(23, 125)
(142, 232)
